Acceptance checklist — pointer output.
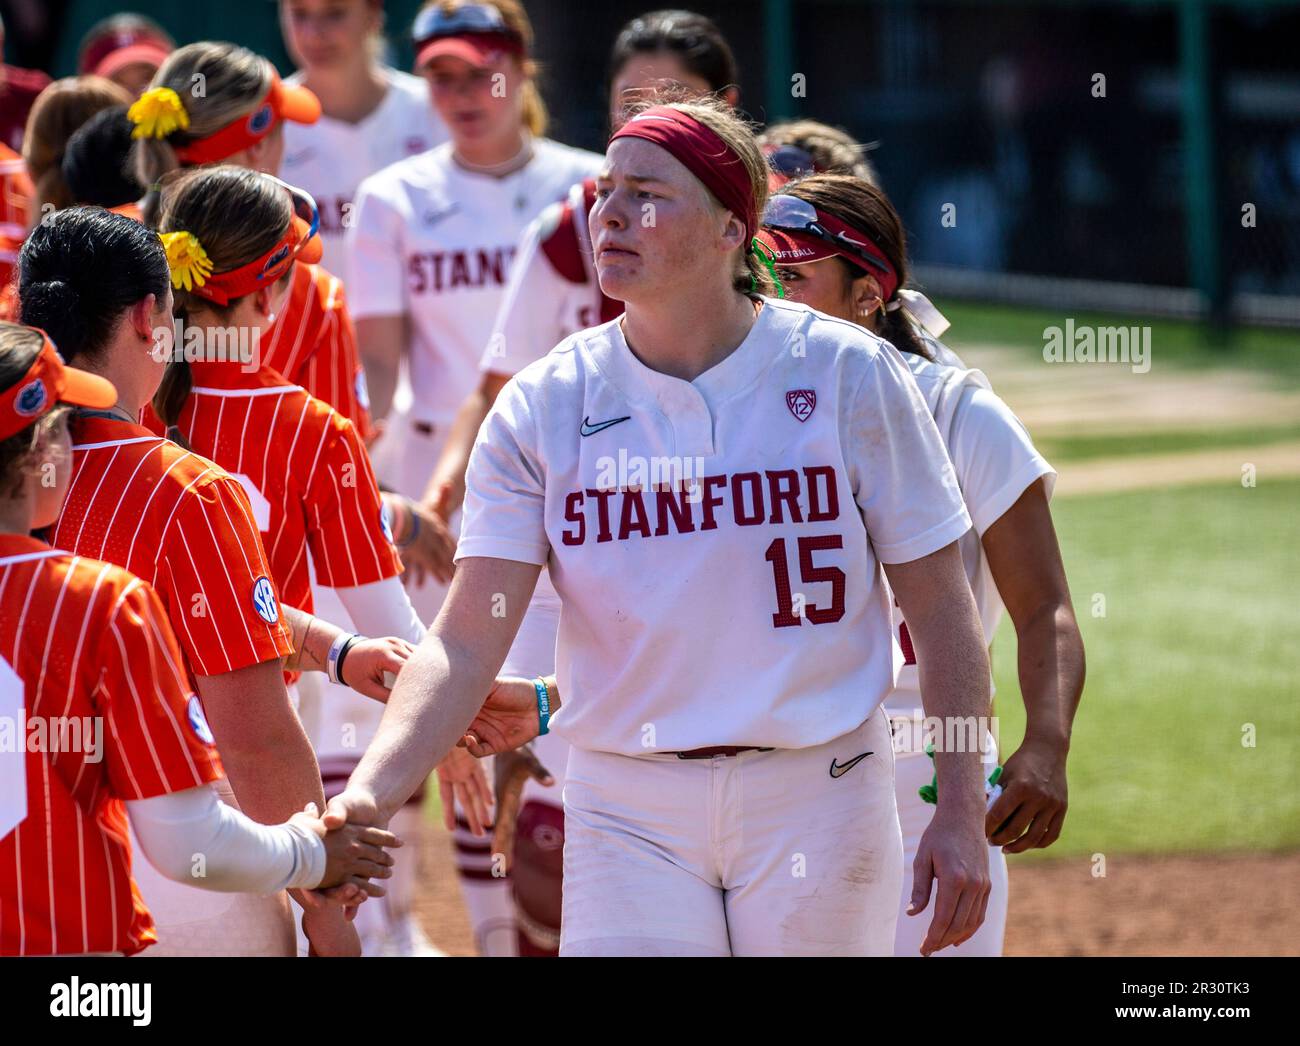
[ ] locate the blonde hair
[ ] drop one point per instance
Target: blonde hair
(236, 215)
(59, 111)
(833, 150)
(535, 116)
(737, 133)
(217, 84)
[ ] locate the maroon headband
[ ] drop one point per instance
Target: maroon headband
(703, 153)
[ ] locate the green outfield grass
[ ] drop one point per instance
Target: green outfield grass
(1087, 447)
(1182, 342)
(1200, 637)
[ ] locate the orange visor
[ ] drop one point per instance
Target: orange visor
(47, 383)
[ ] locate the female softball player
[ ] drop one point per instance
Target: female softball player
(298, 458)
(99, 282)
(795, 148)
(431, 249)
(371, 114)
(240, 119)
(125, 48)
(92, 674)
(715, 505)
(15, 204)
(553, 292)
(839, 247)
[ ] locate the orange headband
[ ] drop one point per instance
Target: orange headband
(282, 102)
(47, 383)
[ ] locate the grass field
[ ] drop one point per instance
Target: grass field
(1200, 637)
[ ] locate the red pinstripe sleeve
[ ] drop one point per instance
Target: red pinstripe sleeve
(214, 583)
(160, 741)
(346, 528)
(346, 363)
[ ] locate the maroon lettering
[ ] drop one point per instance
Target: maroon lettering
(817, 514)
(755, 483)
(783, 489)
(633, 505)
(602, 512)
(676, 504)
(460, 271)
(573, 514)
(711, 502)
(419, 282)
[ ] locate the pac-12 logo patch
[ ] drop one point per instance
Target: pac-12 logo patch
(31, 400)
(264, 600)
(801, 403)
(198, 721)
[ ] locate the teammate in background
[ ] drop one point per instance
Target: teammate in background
(371, 114)
(795, 148)
(65, 860)
(301, 461)
(99, 283)
(240, 119)
(126, 48)
(60, 110)
(97, 164)
(19, 89)
(431, 250)
(719, 724)
(15, 202)
(839, 247)
(553, 292)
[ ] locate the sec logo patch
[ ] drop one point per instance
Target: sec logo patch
(384, 525)
(264, 601)
(198, 721)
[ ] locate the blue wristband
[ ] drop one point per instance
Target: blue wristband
(543, 705)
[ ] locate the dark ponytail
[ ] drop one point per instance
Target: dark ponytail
(80, 270)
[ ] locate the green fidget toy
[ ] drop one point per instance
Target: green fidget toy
(930, 792)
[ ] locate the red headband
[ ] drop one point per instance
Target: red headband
(281, 103)
(703, 153)
(791, 247)
(46, 384)
(297, 244)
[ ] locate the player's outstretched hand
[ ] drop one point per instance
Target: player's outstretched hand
(461, 779)
(372, 665)
(354, 853)
(1031, 809)
(507, 719)
(428, 545)
(510, 771)
(954, 852)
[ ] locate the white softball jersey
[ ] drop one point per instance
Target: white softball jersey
(331, 158)
(434, 242)
(736, 597)
(995, 461)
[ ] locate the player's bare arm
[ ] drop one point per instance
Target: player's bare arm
(936, 600)
(441, 688)
(1025, 560)
(381, 339)
(368, 665)
(446, 488)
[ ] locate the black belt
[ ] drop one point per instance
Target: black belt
(709, 753)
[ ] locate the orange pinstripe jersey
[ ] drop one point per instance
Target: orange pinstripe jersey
(313, 344)
(15, 200)
(90, 667)
(185, 526)
(304, 468)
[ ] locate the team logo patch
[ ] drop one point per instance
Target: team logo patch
(801, 403)
(198, 721)
(415, 145)
(264, 601)
(384, 525)
(31, 400)
(260, 121)
(362, 390)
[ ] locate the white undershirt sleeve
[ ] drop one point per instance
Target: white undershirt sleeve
(382, 608)
(192, 837)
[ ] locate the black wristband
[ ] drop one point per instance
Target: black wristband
(343, 653)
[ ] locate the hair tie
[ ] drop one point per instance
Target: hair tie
(157, 113)
(189, 263)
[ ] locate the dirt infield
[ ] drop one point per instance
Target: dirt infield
(1226, 905)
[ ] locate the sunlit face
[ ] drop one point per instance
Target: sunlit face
(824, 285)
(643, 75)
(327, 34)
(52, 461)
(477, 103)
(654, 227)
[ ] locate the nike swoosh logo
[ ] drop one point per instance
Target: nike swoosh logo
(840, 769)
(588, 429)
(434, 217)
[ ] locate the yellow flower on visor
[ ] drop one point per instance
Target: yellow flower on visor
(157, 113)
(188, 261)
